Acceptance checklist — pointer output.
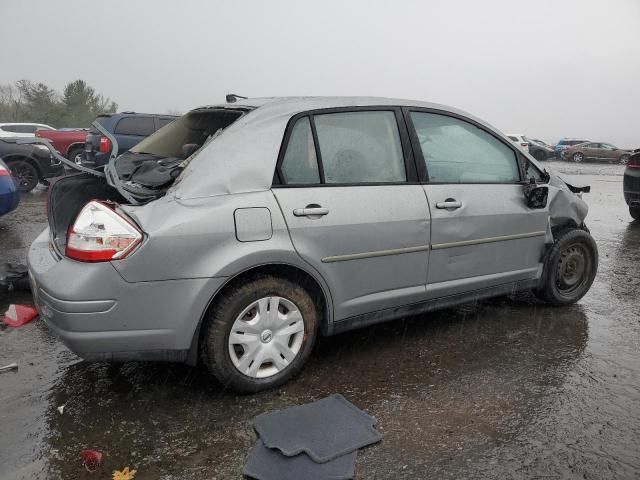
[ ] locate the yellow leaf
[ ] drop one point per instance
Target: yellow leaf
(124, 474)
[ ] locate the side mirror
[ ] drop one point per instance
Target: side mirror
(536, 195)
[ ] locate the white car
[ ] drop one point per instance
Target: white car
(519, 140)
(21, 129)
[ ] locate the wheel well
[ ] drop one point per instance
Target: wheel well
(9, 158)
(74, 146)
(286, 271)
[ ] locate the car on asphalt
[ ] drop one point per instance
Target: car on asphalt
(129, 128)
(30, 164)
(240, 232)
(68, 141)
(540, 150)
(519, 140)
(9, 193)
(596, 152)
(631, 184)
(13, 130)
(565, 143)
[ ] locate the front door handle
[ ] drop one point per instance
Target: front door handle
(311, 211)
(449, 203)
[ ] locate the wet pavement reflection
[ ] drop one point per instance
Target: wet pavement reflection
(506, 388)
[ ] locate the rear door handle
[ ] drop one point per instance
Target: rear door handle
(310, 211)
(449, 203)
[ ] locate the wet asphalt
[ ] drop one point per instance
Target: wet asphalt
(506, 388)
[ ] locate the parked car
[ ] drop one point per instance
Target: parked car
(13, 130)
(240, 232)
(127, 127)
(596, 151)
(9, 193)
(565, 143)
(68, 141)
(631, 184)
(519, 140)
(540, 150)
(29, 164)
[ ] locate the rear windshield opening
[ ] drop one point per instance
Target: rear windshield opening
(184, 136)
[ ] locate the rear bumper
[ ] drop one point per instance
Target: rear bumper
(631, 186)
(100, 316)
(10, 197)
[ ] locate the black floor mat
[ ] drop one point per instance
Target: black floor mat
(267, 464)
(325, 429)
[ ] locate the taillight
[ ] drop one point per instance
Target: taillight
(99, 234)
(105, 145)
(4, 172)
(634, 161)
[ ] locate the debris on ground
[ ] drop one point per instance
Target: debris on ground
(19, 315)
(313, 441)
(61, 409)
(11, 366)
(124, 474)
(14, 276)
(91, 459)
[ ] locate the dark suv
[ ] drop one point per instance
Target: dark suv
(129, 128)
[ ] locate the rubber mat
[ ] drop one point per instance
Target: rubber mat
(324, 429)
(267, 464)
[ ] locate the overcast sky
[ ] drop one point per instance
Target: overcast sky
(544, 68)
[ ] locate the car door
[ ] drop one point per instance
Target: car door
(129, 131)
(482, 232)
(355, 211)
(609, 152)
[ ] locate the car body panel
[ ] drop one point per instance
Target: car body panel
(9, 192)
(631, 180)
(39, 155)
(17, 130)
(65, 140)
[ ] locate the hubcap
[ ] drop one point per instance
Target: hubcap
(577, 157)
(266, 337)
(571, 269)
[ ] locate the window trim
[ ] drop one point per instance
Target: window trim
(423, 173)
(405, 145)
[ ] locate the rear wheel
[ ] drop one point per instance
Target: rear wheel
(635, 212)
(75, 154)
(624, 159)
(260, 334)
(577, 157)
(26, 174)
(540, 155)
(569, 269)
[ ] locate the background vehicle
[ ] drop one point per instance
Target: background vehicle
(595, 151)
(9, 193)
(631, 184)
(128, 128)
(29, 164)
(540, 150)
(68, 141)
(257, 270)
(565, 143)
(519, 140)
(13, 130)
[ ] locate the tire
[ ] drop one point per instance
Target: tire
(577, 157)
(624, 159)
(26, 173)
(540, 155)
(635, 212)
(239, 310)
(569, 269)
(74, 152)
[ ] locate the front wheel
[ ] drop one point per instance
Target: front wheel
(260, 334)
(624, 159)
(635, 212)
(25, 173)
(540, 155)
(578, 157)
(569, 269)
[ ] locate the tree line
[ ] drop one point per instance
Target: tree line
(35, 102)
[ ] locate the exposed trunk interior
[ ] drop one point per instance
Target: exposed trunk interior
(66, 198)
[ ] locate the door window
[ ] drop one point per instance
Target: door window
(456, 151)
(141, 126)
(360, 147)
(300, 165)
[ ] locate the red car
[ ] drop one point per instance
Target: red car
(68, 141)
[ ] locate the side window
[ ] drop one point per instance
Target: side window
(456, 151)
(142, 126)
(9, 128)
(531, 171)
(300, 165)
(164, 121)
(360, 147)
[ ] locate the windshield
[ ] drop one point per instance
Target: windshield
(187, 134)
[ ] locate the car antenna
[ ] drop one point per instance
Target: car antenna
(233, 98)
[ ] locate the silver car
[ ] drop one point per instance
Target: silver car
(240, 232)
